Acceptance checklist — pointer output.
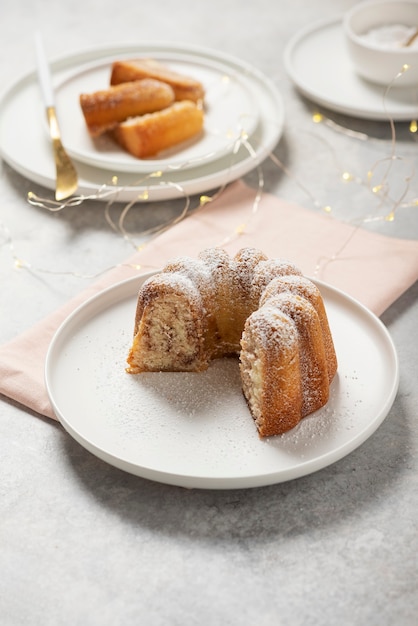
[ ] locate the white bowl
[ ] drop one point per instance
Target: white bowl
(376, 33)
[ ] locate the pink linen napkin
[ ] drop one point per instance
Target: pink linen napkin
(372, 268)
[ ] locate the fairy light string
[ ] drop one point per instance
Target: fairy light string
(376, 181)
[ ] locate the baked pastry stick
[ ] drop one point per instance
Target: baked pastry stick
(104, 109)
(147, 135)
(185, 88)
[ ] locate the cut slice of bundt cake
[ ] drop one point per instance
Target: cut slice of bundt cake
(262, 309)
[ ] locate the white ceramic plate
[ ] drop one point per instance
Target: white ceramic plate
(317, 62)
(25, 145)
(195, 430)
(230, 109)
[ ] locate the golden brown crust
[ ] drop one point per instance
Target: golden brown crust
(293, 374)
(305, 288)
(185, 88)
(147, 135)
(104, 109)
(271, 375)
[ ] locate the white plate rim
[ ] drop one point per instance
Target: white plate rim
(375, 113)
(199, 180)
(129, 288)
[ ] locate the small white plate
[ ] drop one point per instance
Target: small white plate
(195, 430)
(317, 62)
(230, 110)
(25, 146)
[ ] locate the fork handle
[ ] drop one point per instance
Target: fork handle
(43, 72)
(54, 130)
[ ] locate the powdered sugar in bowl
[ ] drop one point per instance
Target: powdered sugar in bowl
(380, 40)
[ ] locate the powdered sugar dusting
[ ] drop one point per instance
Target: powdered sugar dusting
(195, 430)
(290, 380)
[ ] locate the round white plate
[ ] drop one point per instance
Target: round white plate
(195, 430)
(230, 110)
(317, 62)
(25, 145)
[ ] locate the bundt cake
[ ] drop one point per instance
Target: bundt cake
(263, 309)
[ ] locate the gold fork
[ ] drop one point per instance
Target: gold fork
(411, 39)
(66, 180)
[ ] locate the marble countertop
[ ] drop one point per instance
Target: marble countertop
(85, 543)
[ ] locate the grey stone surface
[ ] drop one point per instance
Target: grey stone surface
(83, 543)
